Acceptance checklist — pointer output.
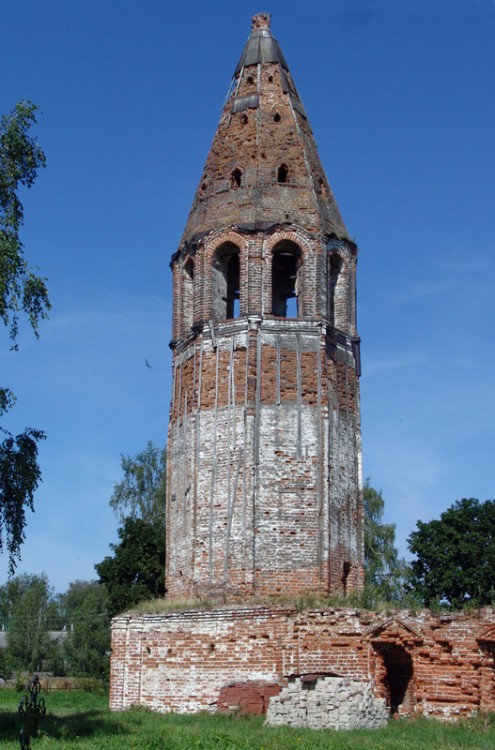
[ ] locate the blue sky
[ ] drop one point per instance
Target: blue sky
(400, 97)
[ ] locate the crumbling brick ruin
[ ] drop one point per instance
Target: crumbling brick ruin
(236, 659)
(264, 444)
(264, 455)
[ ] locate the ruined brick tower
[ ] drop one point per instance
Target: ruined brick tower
(264, 446)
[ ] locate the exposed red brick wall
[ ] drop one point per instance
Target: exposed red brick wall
(197, 661)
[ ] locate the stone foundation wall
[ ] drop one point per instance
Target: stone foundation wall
(437, 665)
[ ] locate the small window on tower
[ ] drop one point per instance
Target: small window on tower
(235, 178)
(276, 117)
(283, 173)
(250, 80)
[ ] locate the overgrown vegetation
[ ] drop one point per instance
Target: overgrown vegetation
(82, 720)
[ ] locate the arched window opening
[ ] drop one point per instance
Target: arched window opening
(283, 173)
(225, 282)
(285, 265)
(235, 178)
(276, 117)
(336, 299)
(188, 294)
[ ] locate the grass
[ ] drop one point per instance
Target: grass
(82, 720)
(299, 603)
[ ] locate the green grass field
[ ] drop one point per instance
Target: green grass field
(82, 720)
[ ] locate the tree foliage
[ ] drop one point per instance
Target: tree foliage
(65, 633)
(455, 555)
(385, 572)
(21, 291)
(31, 609)
(19, 478)
(87, 643)
(136, 571)
(141, 493)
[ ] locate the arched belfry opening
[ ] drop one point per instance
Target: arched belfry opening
(226, 282)
(336, 291)
(395, 677)
(286, 262)
(188, 294)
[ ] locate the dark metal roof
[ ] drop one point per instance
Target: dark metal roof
(261, 47)
(245, 102)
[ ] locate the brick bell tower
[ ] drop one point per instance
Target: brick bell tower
(264, 447)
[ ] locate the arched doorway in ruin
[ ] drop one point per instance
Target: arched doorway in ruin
(394, 672)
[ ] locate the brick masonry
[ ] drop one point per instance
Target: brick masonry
(236, 658)
(264, 445)
(264, 450)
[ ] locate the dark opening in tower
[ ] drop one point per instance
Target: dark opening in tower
(225, 282)
(285, 288)
(283, 173)
(188, 294)
(336, 291)
(236, 178)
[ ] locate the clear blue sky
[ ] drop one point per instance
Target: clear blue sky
(400, 95)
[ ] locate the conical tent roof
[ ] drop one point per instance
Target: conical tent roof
(263, 167)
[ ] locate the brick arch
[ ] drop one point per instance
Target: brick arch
(292, 235)
(303, 274)
(339, 292)
(187, 293)
(211, 246)
(220, 238)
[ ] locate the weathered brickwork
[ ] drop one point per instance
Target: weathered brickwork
(264, 448)
(250, 488)
(232, 659)
(264, 454)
